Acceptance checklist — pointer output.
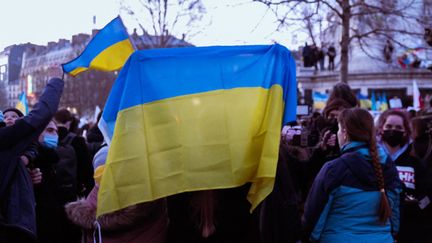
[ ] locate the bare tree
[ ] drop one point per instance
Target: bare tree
(366, 23)
(162, 20)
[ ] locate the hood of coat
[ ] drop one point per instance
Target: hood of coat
(81, 213)
(357, 158)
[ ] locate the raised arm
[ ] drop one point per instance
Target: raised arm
(31, 125)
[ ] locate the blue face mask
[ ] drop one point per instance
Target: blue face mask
(50, 141)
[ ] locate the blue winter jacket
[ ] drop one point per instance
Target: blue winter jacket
(17, 203)
(342, 205)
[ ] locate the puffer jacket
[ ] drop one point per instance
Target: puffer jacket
(343, 202)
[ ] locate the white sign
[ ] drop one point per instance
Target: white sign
(395, 103)
(407, 176)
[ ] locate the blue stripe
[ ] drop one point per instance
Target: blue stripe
(111, 34)
(158, 80)
(159, 74)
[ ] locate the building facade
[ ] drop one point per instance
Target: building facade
(10, 67)
(83, 92)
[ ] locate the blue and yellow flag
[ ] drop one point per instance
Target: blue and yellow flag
(107, 51)
(22, 103)
(319, 100)
(364, 101)
(383, 102)
(373, 102)
(189, 119)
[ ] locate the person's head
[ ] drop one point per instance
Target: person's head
(357, 125)
(49, 136)
(343, 91)
(11, 115)
(394, 128)
(420, 127)
(63, 119)
(334, 107)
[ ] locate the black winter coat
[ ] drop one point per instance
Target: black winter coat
(17, 203)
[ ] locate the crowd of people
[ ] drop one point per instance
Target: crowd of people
(360, 163)
(356, 179)
(314, 56)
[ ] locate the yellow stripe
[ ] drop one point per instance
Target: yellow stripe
(217, 139)
(114, 57)
(77, 71)
(111, 59)
(319, 105)
(365, 104)
(20, 106)
(98, 173)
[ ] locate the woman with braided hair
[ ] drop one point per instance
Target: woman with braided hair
(355, 198)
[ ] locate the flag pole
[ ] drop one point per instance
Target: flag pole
(130, 39)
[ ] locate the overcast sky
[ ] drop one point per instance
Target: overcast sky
(232, 22)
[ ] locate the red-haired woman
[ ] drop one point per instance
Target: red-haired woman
(354, 198)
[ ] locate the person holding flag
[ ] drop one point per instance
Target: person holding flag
(17, 221)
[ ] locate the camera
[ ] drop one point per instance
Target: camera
(304, 135)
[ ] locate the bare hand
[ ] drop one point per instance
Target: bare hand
(331, 142)
(36, 176)
(25, 160)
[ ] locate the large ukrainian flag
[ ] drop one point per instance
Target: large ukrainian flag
(107, 51)
(191, 119)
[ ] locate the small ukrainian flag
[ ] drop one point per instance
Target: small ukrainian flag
(319, 100)
(107, 51)
(22, 103)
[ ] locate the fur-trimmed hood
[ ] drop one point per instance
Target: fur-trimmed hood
(145, 222)
(81, 213)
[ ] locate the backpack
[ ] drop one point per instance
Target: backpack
(66, 169)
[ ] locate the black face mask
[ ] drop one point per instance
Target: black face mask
(62, 132)
(393, 137)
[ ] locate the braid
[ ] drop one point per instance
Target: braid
(384, 210)
(359, 126)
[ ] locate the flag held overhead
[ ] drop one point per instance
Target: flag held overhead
(190, 119)
(107, 51)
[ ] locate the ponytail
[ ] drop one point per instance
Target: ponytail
(359, 126)
(384, 210)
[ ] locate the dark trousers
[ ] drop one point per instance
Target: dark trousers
(331, 63)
